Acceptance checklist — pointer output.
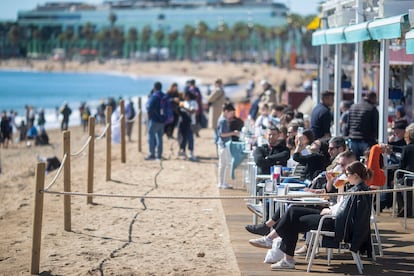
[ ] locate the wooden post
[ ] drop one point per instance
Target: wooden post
(122, 122)
(108, 142)
(139, 125)
(37, 218)
(91, 158)
(66, 181)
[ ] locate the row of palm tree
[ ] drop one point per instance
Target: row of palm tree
(240, 41)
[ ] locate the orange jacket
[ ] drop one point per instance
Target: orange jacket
(378, 178)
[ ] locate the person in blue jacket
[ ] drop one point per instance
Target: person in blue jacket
(155, 123)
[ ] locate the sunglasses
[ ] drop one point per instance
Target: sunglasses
(348, 174)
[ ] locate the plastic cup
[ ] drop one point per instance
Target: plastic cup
(268, 186)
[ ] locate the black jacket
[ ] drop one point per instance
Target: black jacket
(407, 158)
(314, 163)
(266, 156)
(352, 223)
(363, 122)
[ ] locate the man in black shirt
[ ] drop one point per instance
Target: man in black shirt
(363, 124)
(321, 117)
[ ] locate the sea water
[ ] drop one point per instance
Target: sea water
(49, 90)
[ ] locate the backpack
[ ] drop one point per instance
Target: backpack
(166, 109)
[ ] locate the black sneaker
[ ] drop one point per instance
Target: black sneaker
(258, 229)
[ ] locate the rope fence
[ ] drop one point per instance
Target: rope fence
(65, 167)
(371, 192)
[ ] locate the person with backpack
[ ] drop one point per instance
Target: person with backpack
(157, 116)
(199, 98)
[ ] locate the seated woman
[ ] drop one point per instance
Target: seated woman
(316, 161)
(301, 219)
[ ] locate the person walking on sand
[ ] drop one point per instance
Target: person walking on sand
(174, 98)
(155, 123)
(224, 135)
(199, 98)
(216, 100)
(130, 118)
(188, 109)
(66, 112)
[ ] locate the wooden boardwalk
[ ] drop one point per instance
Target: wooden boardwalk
(398, 246)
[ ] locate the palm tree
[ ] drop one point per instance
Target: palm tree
(112, 19)
(201, 33)
(131, 45)
(173, 45)
(104, 37)
(117, 39)
(188, 34)
(159, 37)
(88, 35)
(14, 37)
(240, 32)
(146, 37)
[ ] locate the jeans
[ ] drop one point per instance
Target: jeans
(187, 138)
(223, 163)
(155, 133)
(358, 147)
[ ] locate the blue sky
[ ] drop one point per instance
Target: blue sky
(9, 8)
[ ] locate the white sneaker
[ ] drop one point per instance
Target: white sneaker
(283, 264)
(263, 242)
(225, 186)
(302, 251)
(256, 209)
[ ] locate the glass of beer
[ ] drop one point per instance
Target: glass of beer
(340, 181)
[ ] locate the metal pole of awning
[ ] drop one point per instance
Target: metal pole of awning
(324, 65)
(383, 91)
(337, 88)
(383, 102)
(358, 57)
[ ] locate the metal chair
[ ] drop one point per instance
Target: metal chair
(405, 175)
(375, 235)
(316, 239)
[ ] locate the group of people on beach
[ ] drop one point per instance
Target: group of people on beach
(172, 110)
(28, 128)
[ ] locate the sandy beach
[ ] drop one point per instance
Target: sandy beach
(117, 236)
(124, 236)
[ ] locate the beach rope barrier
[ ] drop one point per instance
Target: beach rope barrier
(82, 148)
(58, 172)
(145, 196)
(99, 137)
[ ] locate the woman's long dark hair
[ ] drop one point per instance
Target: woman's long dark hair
(359, 168)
